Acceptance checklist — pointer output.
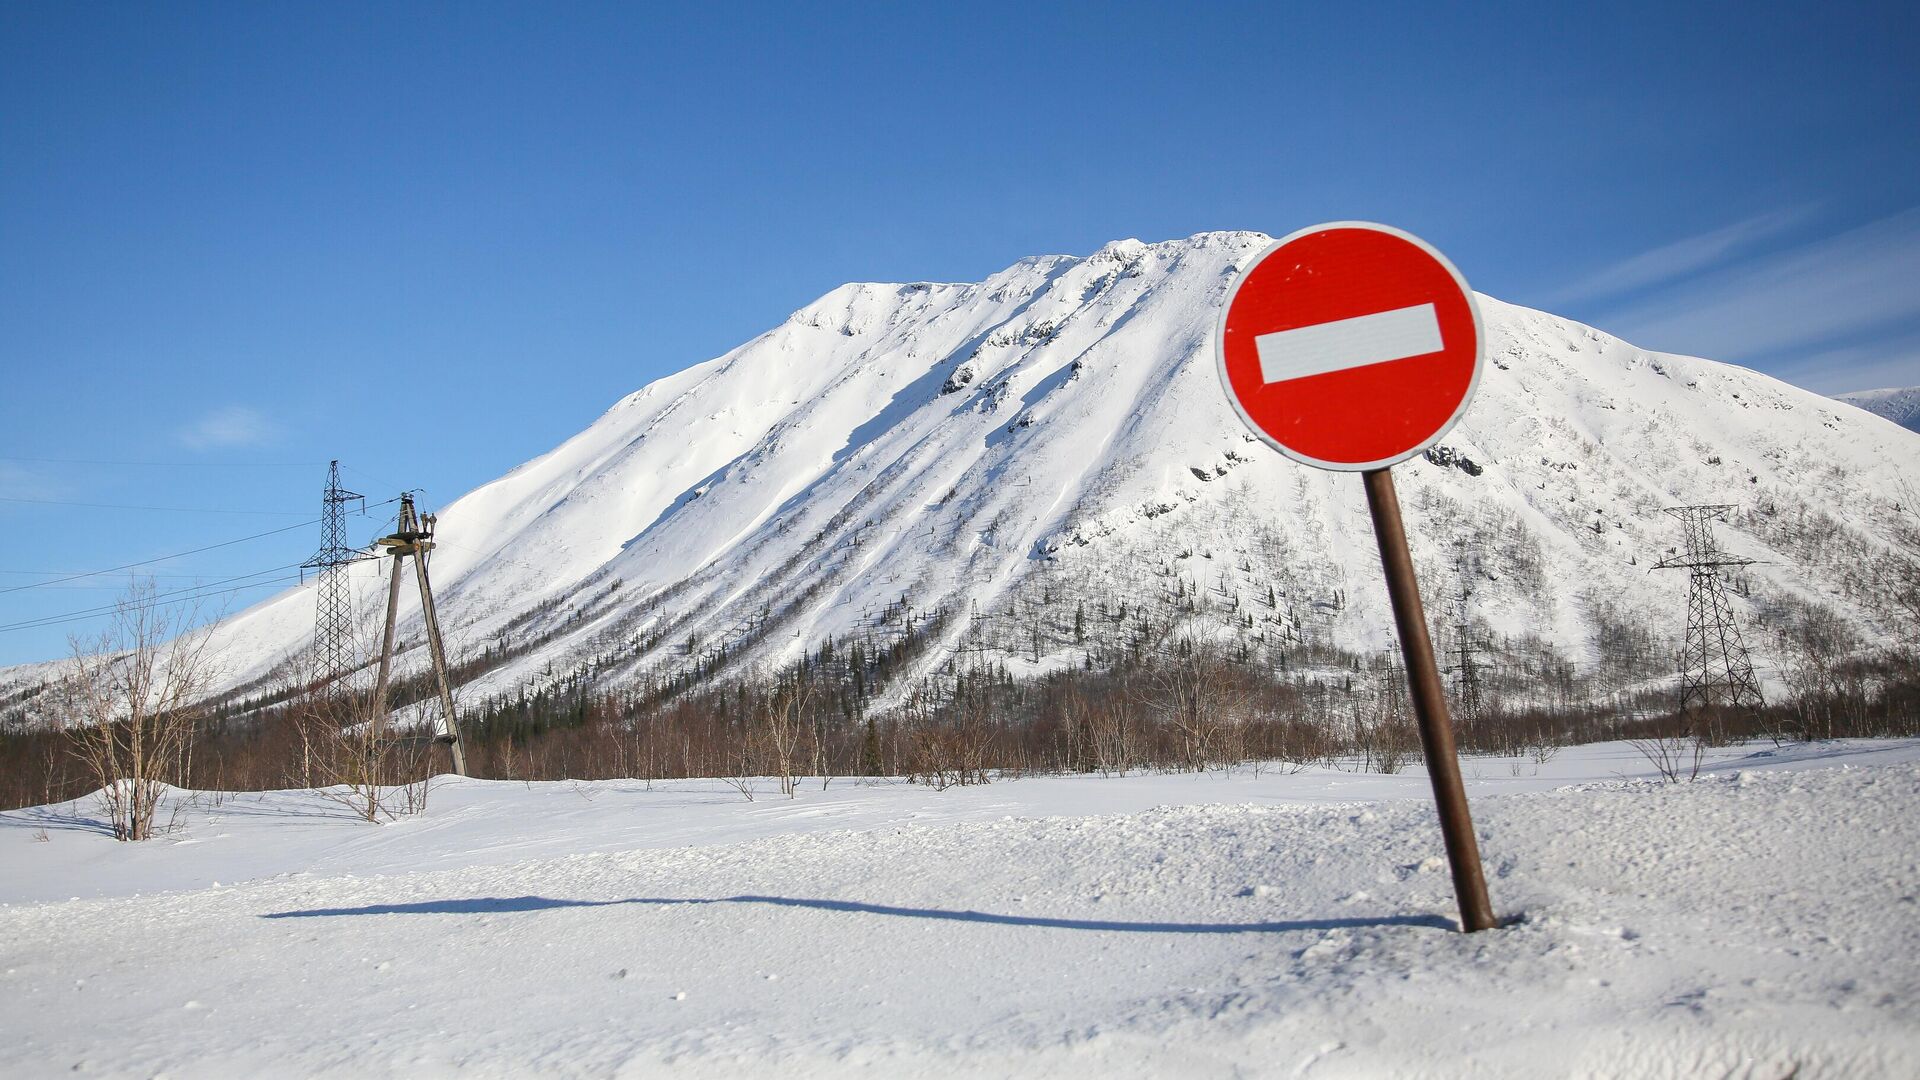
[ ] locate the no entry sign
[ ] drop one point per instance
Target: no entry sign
(1350, 346)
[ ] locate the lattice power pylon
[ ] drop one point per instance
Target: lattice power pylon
(333, 609)
(1714, 668)
(1470, 704)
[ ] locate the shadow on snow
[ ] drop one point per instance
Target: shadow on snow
(485, 905)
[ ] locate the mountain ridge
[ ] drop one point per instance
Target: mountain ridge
(1900, 404)
(946, 465)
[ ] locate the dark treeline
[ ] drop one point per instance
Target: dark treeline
(1192, 706)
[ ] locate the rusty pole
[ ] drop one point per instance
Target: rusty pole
(1429, 704)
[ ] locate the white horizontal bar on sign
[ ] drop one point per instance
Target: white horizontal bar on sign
(1348, 343)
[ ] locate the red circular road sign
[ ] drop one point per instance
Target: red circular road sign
(1350, 345)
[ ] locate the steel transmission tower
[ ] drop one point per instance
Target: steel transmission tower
(333, 611)
(1714, 669)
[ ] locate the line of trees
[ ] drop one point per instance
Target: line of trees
(1190, 704)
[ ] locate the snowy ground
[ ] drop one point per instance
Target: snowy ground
(1756, 923)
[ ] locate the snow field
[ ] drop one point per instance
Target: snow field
(1760, 921)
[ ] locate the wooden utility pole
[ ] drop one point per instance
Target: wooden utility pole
(415, 537)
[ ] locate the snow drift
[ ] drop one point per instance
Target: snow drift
(1757, 924)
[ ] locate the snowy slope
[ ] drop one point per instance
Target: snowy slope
(1759, 923)
(1899, 404)
(1052, 442)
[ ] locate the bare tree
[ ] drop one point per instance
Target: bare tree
(132, 698)
(1115, 734)
(822, 758)
(948, 743)
(356, 757)
(739, 771)
(783, 715)
(1196, 690)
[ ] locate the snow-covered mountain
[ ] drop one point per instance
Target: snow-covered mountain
(1900, 404)
(1041, 464)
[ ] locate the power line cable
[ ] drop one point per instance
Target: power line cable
(169, 464)
(82, 616)
(89, 573)
(177, 555)
(169, 509)
(104, 609)
(381, 480)
(105, 588)
(163, 558)
(199, 580)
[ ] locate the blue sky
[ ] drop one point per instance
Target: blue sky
(237, 240)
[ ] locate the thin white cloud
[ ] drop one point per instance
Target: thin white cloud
(1680, 258)
(234, 425)
(1893, 363)
(1848, 290)
(19, 482)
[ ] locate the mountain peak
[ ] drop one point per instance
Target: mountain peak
(1039, 470)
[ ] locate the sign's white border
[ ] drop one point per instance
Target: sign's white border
(1220, 347)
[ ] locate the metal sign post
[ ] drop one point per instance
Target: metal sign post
(1429, 704)
(1353, 346)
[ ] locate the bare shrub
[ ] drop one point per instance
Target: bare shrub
(1202, 697)
(132, 698)
(950, 747)
(350, 750)
(1675, 750)
(380, 773)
